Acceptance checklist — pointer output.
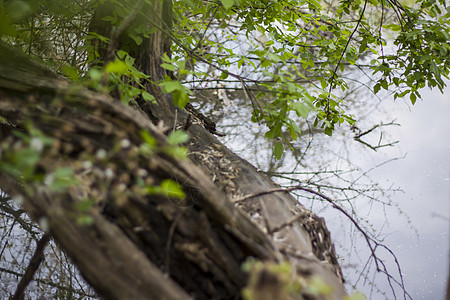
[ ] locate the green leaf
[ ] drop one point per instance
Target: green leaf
(102, 38)
(413, 98)
(189, 3)
(152, 30)
(301, 109)
(180, 98)
(168, 67)
(148, 139)
(278, 150)
(117, 67)
(227, 3)
(273, 57)
(70, 71)
(393, 27)
(148, 97)
(376, 88)
(95, 75)
(178, 152)
(63, 172)
(166, 58)
(274, 132)
(179, 92)
(355, 296)
(121, 54)
(27, 159)
(61, 179)
(168, 188)
(85, 220)
(171, 85)
(172, 189)
(435, 69)
(295, 127)
(224, 75)
(363, 45)
(317, 286)
(137, 39)
(266, 63)
(177, 137)
(85, 205)
(181, 64)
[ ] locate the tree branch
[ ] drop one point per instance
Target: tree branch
(371, 242)
(33, 266)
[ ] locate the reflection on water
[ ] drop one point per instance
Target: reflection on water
(424, 177)
(413, 223)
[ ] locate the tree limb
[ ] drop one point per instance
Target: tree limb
(33, 266)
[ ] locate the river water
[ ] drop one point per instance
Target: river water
(422, 246)
(415, 223)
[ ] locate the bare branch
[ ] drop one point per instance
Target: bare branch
(358, 136)
(371, 242)
(33, 266)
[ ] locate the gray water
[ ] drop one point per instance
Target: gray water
(416, 226)
(422, 246)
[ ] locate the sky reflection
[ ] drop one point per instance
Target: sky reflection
(423, 174)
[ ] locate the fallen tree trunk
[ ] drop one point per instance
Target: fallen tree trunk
(138, 244)
(201, 246)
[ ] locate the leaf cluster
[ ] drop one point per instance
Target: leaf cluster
(288, 57)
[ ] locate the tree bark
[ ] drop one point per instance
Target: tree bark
(138, 245)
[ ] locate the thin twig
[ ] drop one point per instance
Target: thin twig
(169, 243)
(333, 75)
(51, 284)
(373, 128)
(206, 29)
(253, 101)
(379, 145)
(371, 242)
(289, 222)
